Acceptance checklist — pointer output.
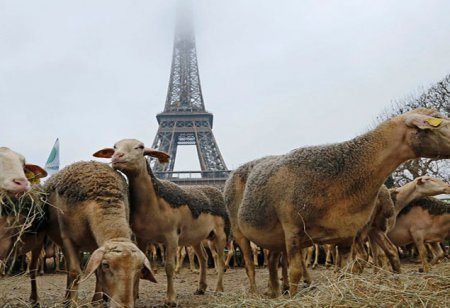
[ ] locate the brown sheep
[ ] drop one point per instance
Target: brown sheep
(388, 206)
(325, 194)
(164, 212)
(233, 193)
(18, 200)
(424, 220)
(89, 212)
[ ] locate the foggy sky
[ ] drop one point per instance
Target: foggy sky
(277, 75)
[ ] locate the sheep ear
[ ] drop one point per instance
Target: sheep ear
(146, 272)
(94, 262)
(422, 121)
(36, 170)
(105, 153)
(421, 181)
(163, 157)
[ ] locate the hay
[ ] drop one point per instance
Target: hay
(384, 289)
(23, 214)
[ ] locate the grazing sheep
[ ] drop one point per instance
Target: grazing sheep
(89, 212)
(424, 220)
(22, 211)
(325, 194)
(164, 212)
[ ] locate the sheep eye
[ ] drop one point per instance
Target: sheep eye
(141, 147)
(114, 147)
(105, 265)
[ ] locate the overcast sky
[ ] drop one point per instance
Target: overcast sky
(276, 74)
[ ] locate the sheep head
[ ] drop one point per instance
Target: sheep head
(428, 133)
(128, 155)
(119, 265)
(12, 172)
(429, 186)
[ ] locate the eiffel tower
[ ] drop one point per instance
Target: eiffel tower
(185, 120)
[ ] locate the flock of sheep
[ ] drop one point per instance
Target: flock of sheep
(330, 194)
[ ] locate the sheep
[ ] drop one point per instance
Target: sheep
(22, 211)
(375, 232)
(392, 202)
(182, 251)
(233, 194)
(164, 212)
(424, 220)
(89, 212)
(325, 194)
(386, 210)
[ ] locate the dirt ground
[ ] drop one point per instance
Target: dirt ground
(14, 291)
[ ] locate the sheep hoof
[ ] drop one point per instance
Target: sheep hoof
(199, 292)
(168, 303)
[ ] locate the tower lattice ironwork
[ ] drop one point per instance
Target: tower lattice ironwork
(184, 120)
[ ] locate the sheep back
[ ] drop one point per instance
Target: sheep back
(83, 181)
(199, 199)
(307, 175)
(432, 205)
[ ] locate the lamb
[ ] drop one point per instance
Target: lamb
(21, 211)
(325, 194)
(166, 213)
(89, 212)
(424, 220)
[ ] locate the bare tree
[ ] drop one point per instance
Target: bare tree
(436, 97)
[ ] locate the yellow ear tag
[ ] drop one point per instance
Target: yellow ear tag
(434, 122)
(31, 177)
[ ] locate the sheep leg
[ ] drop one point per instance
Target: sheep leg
(388, 248)
(359, 254)
(169, 265)
(218, 248)
(307, 252)
(35, 254)
(41, 262)
(274, 284)
(343, 256)
(213, 249)
(438, 253)
(328, 252)
(254, 253)
(202, 258)
(418, 240)
(244, 244)
(284, 272)
(153, 255)
(181, 254)
(230, 254)
(297, 267)
(73, 272)
(316, 256)
(266, 253)
(191, 257)
(374, 249)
